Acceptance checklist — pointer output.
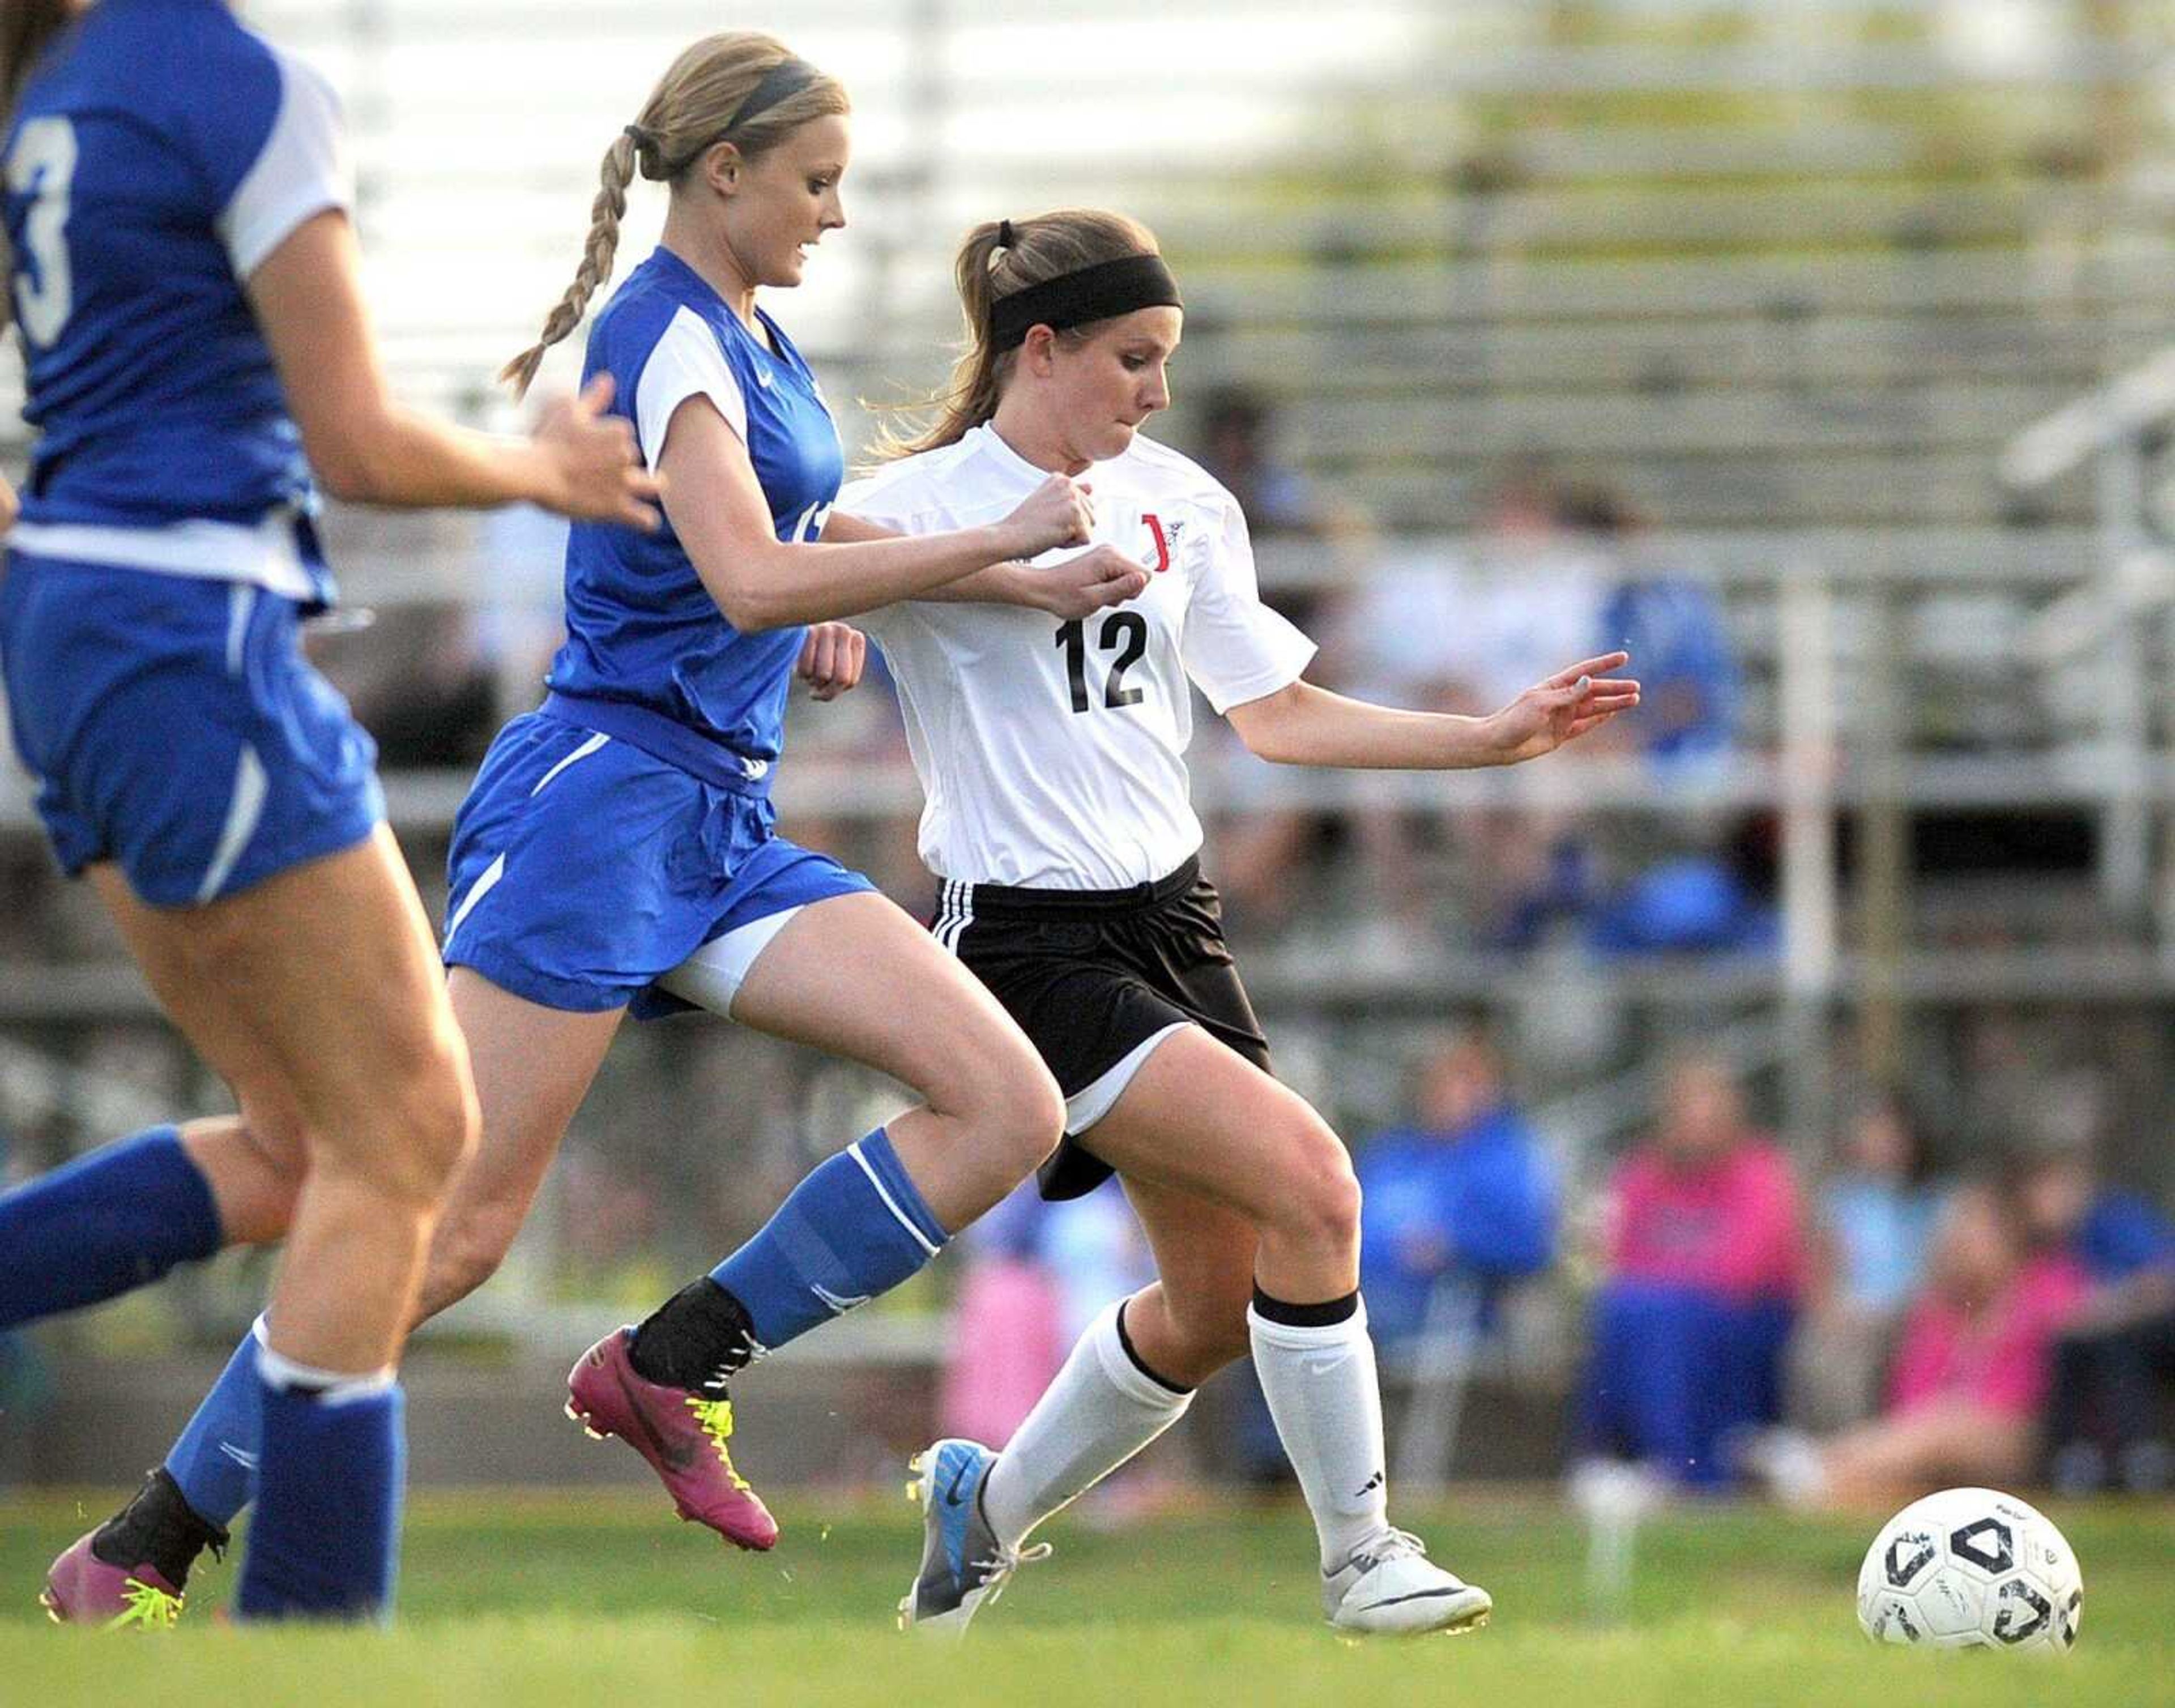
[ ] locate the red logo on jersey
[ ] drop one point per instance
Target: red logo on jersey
(1162, 543)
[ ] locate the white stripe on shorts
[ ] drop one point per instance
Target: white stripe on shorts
(958, 914)
(482, 887)
(244, 809)
(583, 752)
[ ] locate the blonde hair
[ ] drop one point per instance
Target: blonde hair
(989, 269)
(691, 110)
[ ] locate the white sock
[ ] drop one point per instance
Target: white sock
(1323, 1392)
(1101, 1409)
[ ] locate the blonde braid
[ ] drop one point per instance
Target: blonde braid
(606, 212)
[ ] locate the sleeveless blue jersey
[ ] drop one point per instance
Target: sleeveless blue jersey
(160, 152)
(640, 628)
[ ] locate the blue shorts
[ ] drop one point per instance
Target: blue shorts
(175, 729)
(584, 869)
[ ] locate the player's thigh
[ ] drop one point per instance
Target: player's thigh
(316, 995)
(855, 976)
(1204, 1255)
(533, 1066)
(1199, 1118)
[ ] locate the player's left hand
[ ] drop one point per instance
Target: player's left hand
(1568, 705)
(831, 660)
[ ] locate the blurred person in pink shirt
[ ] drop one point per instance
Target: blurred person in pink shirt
(1972, 1371)
(1706, 1256)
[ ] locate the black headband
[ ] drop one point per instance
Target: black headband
(1100, 292)
(781, 82)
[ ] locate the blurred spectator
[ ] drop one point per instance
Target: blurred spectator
(1261, 847)
(1007, 1340)
(1670, 622)
(2108, 1421)
(1462, 1199)
(1442, 635)
(1972, 1371)
(1872, 1219)
(1706, 1259)
(1700, 897)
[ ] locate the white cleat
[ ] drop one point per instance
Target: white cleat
(1390, 1587)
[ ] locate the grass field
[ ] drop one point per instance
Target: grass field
(602, 1602)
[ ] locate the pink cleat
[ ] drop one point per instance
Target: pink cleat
(681, 1434)
(81, 1589)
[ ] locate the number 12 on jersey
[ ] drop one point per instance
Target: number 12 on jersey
(1125, 633)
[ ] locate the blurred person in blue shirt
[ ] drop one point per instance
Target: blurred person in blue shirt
(2107, 1418)
(1668, 620)
(1873, 1220)
(1464, 1194)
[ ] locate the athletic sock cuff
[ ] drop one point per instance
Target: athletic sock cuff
(1122, 1366)
(1328, 1312)
(896, 1188)
(1133, 1353)
(1353, 1326)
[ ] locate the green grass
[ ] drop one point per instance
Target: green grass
(599, 1601)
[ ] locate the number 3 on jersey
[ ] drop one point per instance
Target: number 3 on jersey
(1125, 633)
(43, 163)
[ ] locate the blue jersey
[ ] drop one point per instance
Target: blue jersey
(160, 153)
(640, 628)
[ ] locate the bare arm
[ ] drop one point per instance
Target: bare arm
(1303, 724)
(308, 295)
(1099, 577)
(718, 509)
(10, 506)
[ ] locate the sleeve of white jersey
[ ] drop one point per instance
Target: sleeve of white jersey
(685, 363)
(1236, 648)
(302, 169)
(881, 503)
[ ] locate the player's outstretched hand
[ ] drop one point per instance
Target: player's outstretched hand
(1061, 512)
(1097, 577)
(831, 660)
(591, 472)
(1568, 705)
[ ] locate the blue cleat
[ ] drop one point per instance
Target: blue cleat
(963, 1566)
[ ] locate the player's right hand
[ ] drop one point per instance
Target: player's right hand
(1099, 576)
(590, 470)
(1058, 513)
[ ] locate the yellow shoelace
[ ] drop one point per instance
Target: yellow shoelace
(716, 1417)
(149, 1607)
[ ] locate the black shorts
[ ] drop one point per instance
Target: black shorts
(1093, 977)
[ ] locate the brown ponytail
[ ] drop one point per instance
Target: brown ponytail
(691, 109)
(999, 258)
(25, 27)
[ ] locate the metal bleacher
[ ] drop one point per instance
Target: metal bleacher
(1795, 276)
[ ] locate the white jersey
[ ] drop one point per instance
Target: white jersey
(1051, 754)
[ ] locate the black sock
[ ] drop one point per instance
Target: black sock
(1321, 1315)
(699, 1339)
(158, 1528)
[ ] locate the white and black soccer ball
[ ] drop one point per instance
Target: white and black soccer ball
(1971, 1567)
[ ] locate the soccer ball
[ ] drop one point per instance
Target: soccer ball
(1971, 1567)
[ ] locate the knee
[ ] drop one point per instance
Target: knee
(466, 1252)
(425, 1116)
(1316, 1195)
(1022, 1113)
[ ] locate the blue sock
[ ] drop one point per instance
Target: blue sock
(325, 1543)
(855, 1227)
(214, 1462)
(103, 1225)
